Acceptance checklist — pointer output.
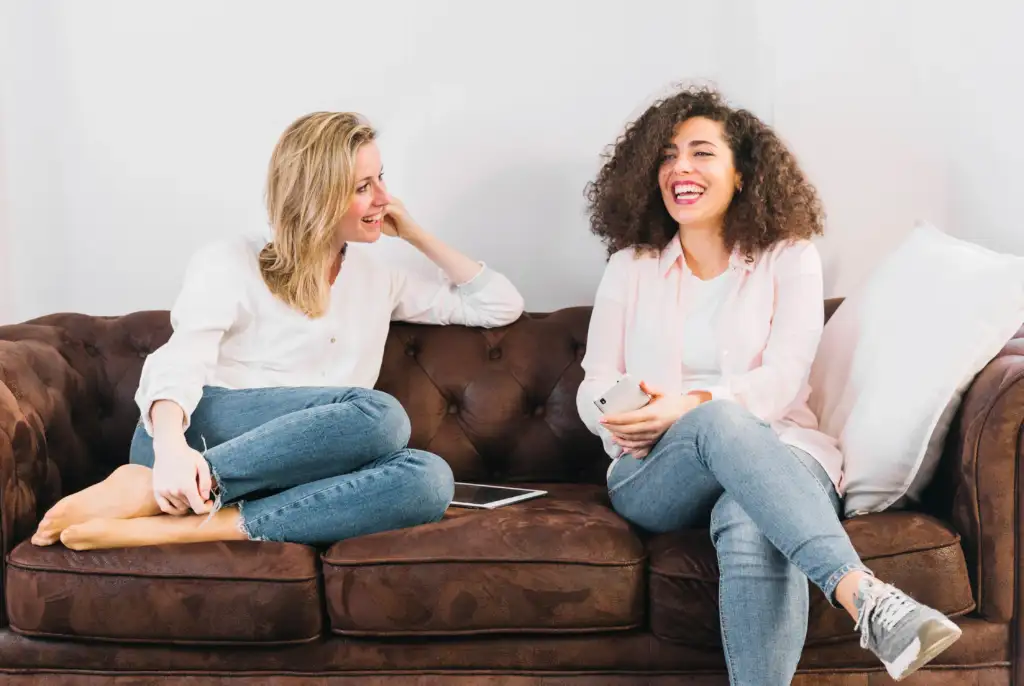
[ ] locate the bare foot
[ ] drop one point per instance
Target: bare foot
(158, 530)
(125, 494)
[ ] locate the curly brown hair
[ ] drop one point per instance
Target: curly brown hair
(776, 202)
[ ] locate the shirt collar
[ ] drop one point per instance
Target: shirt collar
(673, 253)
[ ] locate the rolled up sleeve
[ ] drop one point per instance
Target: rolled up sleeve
(207, 307)
(487, 300)
(604, 362)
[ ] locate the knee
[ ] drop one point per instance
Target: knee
(718, 419)
(433, 486)
(723, 414)
(392, 421)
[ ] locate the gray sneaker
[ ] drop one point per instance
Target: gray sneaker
(903, 633)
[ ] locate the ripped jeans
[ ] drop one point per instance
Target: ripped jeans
(313, 465)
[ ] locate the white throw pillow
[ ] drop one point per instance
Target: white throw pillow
(897, 355)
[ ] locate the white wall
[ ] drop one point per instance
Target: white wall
(492, 120)
(138, 131)
(7, 295)
(903, 110)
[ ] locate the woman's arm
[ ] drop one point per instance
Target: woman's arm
(208, 305)
(604, 362)
(459, 269)
(470, 294)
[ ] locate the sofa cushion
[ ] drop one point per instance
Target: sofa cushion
(208, 593)
(561, 563)
(915, 552)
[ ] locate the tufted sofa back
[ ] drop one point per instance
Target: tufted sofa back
(497, 404)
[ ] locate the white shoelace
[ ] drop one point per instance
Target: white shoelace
(882, 603)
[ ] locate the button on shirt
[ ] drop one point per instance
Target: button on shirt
(231, 331)
(766, 331)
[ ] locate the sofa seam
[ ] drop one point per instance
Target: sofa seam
(489, 631)
(915, 551)
(414, 562)
(809, 642)
(132, 575)
(153, 643)
(469, 671)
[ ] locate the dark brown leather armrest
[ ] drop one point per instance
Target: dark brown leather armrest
(35, 417)
(985, 473)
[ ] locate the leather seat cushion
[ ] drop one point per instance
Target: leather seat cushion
(915, 552)
(561, 563)
(236, 592)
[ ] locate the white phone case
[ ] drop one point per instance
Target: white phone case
(624, 396)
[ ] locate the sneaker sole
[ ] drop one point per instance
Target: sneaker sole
(933, 637)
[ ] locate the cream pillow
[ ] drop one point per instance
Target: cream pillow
(898, 354)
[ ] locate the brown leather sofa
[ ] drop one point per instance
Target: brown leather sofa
(555, 591)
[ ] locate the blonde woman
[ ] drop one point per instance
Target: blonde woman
(258, 418)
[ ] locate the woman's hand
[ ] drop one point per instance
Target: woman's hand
(457, 266)
(398, 223)
(639, 430)
(181, 478)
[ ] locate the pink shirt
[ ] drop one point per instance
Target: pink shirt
(768, 331)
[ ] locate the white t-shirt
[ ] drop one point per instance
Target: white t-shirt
(231, 331)
(700, 342)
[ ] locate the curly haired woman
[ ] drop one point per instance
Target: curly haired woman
(712, 303)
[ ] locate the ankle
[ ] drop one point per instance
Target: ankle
(847, 588)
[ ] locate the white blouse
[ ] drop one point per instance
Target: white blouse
(229, 330)
(766, 334)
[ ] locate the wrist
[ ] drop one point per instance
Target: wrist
(413, 234)
(169, 440)
(688, 401)
(700, 397)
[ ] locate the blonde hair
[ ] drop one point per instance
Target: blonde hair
(310, 183)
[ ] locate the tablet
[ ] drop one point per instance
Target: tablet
(490, 497)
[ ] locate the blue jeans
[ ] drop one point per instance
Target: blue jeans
(313, 465)
(774, 522)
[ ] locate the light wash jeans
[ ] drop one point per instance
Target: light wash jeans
(774, 523)
(313, 465)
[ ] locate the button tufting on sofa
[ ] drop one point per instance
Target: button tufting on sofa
(565, 584)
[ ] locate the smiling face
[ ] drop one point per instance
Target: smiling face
(697, 176)
(362, 221)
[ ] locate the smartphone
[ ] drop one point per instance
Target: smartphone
(625, 396)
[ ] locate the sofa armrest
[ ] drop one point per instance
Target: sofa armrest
(41, 453)
(986, 467)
